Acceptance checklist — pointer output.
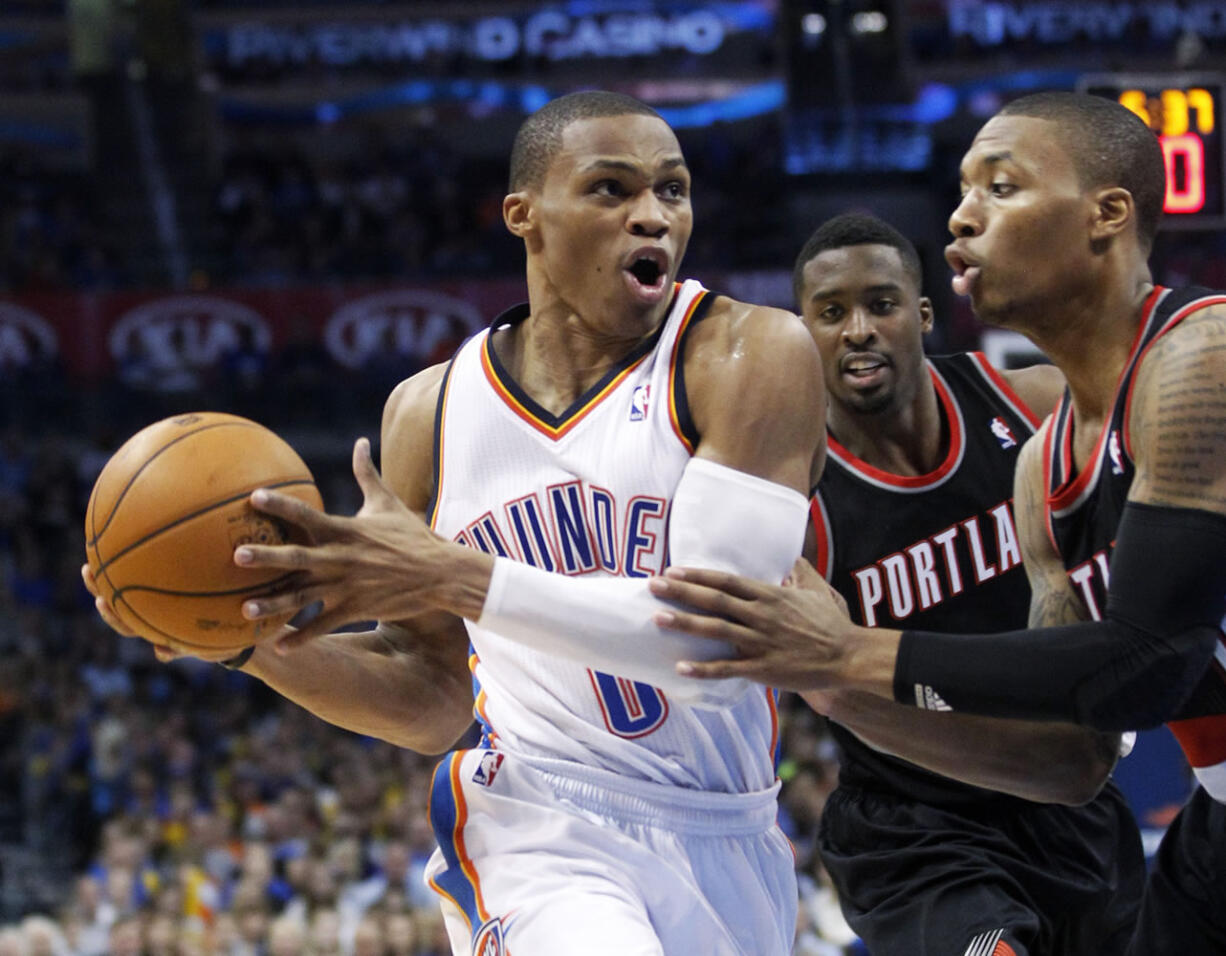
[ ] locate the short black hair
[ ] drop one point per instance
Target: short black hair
(540, 135)
(1110, 146)
(855, 229)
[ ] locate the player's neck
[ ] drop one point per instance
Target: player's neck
(1091, 339)
(908, 441)
(557, 355)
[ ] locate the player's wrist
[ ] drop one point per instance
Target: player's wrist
(239, 660)
(462, 580)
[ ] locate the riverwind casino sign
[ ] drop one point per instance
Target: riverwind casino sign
(460, 38)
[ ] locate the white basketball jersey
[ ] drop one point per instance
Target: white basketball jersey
(586, 492)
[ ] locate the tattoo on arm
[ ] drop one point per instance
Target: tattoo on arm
(1178, 425)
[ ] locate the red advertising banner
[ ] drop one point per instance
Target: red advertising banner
(100, 335)
(95, 336)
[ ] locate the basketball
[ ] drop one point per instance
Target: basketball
(165, 516)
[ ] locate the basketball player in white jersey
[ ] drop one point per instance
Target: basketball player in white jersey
(618, 422)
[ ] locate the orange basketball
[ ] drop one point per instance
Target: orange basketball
(166, 514)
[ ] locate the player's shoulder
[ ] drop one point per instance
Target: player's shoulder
(416, 396)
(1199, 336)
(743, 330)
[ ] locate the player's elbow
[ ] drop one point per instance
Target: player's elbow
(1149, 680)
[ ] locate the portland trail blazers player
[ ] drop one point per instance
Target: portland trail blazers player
(913, 524)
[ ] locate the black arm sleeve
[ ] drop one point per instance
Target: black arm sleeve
(1133, 670)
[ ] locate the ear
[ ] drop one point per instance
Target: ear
(927, 315)
(517, 213)
(1114, 212)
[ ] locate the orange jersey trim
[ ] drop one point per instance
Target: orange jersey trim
(674, 415)
(522, 411)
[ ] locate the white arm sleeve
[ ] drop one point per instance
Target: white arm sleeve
(721, 518)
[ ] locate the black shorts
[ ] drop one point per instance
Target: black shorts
(995, 878)
(1184, 909)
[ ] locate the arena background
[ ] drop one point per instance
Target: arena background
(283, 208)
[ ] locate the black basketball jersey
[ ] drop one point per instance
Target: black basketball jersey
(935, 552)
(1084, 510)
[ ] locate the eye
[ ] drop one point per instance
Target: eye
(1002, 189)
(883, 306)
(674, 190)
(608, 187)
(832, 312)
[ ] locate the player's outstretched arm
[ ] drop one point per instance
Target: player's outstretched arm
(1167, 588)
(743, 501)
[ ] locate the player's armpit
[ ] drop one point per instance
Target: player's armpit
(1177, 420)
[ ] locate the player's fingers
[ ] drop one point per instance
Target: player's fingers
(324, 623)
(283, 602)
(87, 576)
(706, 626)
(292, 556)
(715, 670)
(110, 618)
(288, 508)
(364, 470)
(700, 597)
(165, 654)
(732, 584)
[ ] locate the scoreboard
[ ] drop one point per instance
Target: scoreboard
(1185, 113)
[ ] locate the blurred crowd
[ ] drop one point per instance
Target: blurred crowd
(51, 233)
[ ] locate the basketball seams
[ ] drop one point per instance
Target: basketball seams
(145, 464)
(221, 503)
(121, 595)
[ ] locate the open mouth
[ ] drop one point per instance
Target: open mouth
(863, 366)
(647, 271)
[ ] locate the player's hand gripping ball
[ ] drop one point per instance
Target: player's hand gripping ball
(165, 516)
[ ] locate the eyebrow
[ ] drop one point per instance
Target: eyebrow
(620, 164)
(831, 293)
(991, 159)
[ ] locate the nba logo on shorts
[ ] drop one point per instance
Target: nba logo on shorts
(484, 774)
(638, 403)
(1002, 431)
(488, 941)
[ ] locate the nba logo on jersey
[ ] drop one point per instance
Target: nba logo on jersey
(1002, 431)
(1113, 449)
(484, 774)
(488, 940)
(638, 403)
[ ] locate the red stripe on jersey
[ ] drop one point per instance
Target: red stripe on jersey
(1019, 405)
(1004, 949)
(1064, 496)
(1203, 739)
(956, 442)
(821, 533)
(1047, 463)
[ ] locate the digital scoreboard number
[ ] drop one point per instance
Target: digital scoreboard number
(1185, 113)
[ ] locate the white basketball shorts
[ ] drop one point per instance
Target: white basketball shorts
(544, 858)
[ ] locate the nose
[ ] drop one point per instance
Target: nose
(966, 220)
(859, 330)
(647, 216)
